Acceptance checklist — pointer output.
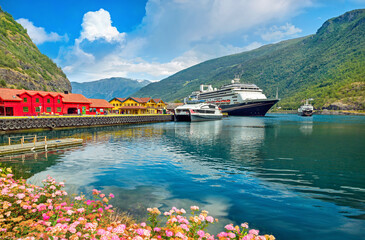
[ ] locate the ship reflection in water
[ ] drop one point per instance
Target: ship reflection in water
(294, 177)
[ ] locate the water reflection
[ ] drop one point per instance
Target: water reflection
(290, 176)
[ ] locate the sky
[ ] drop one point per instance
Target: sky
(153, 39)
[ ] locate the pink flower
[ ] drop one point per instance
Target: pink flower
(100, 210)
(229, 227)
(143, 224)
(111, 195)
(45, 217)
(231, 235)
(140, 231)
(156, 229)
(80, 210)
(201, 233)
(20, 195)
(244, 225)
(248, 237)
(119, 229)
(102, 195)
(254, 232)
(101, 232)
(169, 233)
(209, 219)
(194, 208)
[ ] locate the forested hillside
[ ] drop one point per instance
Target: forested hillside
(328, 66)
(109, 88)
(22, 65)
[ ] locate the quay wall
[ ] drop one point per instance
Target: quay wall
(56, 122)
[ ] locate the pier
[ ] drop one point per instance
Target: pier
(58, 122)
(31, 143)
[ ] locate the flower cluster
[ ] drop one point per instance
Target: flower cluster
(32, 212)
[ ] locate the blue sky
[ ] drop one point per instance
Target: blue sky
(153, 39)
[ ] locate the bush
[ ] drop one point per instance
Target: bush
(33, 212)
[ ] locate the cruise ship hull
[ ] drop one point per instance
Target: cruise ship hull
(249, 108)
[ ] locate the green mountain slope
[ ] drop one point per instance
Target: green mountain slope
(109, 88)
(21, 63)
(328, 66)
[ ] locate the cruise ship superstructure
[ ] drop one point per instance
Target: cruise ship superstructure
(237, 99)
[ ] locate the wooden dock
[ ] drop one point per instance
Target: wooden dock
(41, 145)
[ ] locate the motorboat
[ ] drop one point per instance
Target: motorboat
(306, 110)
(195, 112)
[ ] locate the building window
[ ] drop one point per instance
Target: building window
(37, 109)
(25, 109)
(25, 99)
(48, 100)
(37, 100)
(58, 101)
(49, 109)
(58, 109)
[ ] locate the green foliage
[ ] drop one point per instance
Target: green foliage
(19, 53)
(2, 83)
(108, 88)
(319, 66)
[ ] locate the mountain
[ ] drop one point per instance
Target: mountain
(22, 65)
(328, 66)
(109, 88)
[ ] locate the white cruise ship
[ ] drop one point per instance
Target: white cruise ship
(237, 99)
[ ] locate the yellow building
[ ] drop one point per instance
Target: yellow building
(160, 105)
(133, 105)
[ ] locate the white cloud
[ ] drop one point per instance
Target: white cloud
(38, 34)
(182, 23)
(98, 25)
(174, 35)
(276, 33)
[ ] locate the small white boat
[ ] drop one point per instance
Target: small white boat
(198, 112)
(307, 109)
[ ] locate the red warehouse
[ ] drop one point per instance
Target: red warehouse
(15, 102)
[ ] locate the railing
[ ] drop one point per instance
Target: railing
(23, 139)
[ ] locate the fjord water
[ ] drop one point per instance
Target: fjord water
(290, 176)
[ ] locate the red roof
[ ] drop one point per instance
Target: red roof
(13, 94)
(121, 99)
(99, 103)
(74, 98)
(141, 100)
(157, 100)
(7, 94)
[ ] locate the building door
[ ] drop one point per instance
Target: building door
(9, 111)
(72, 111)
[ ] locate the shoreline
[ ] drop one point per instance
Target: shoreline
(325, 112)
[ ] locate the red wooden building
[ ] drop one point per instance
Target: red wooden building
(15, 102)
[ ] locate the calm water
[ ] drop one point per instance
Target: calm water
(294, 177)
